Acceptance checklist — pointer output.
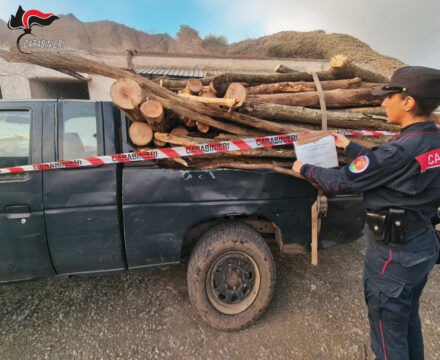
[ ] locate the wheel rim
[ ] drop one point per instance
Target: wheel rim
(233, 282)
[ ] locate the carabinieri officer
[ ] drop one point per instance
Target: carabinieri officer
(401, 185)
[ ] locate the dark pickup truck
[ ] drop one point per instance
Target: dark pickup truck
(137, 215)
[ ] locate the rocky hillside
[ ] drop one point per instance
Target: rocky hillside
(108, 36)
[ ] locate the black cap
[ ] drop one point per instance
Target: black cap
(417, 81)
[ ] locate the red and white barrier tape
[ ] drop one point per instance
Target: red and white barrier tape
(181, 151)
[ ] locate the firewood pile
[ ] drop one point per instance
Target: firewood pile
(284, 102)
(234, 106)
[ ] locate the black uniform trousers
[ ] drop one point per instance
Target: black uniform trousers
(394, 278)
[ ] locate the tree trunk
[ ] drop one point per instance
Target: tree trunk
(140, 133)
(341, 67)
(298, 114)
(153, 112)
(333, 98)
(302, 86)
(181, 84)
(220, 83)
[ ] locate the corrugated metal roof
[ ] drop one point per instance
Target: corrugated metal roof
(194, 72)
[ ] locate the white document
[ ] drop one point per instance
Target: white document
(320, 153)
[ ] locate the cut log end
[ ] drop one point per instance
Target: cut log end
(140, 133)
(180, 131)
(193, 86)
(203, 128)
(236, 91)
(152, 109)
(126, 94)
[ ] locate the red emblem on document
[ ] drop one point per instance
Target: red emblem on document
(429, 160)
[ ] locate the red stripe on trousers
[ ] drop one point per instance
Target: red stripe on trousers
(388, 261)
(383, 339)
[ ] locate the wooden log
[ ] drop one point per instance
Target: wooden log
(298, 114)
(203, 128)
(302, 86)
(230, 103)
(179, 131)
(133, 115)
(333, 98)
(237, 92)
(159, 144)
(181, 84)
(193, 86)
(127, 94)
(189, 122)
(341, 67)
(140, 133)
(154, 114)
(220, 83)
(281, 69)
(370, 110)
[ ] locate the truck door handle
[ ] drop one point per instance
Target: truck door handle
(18, 211)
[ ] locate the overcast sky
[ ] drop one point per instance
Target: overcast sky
(406, 29)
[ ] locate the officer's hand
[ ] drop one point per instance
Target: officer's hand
(340, 140)
(297, 165)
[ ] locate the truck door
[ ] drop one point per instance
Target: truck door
(80, 205)
(23, 247)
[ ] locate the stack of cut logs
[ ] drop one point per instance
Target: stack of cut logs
(285, 102)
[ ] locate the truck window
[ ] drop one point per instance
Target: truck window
(15, 130)
(77, 131)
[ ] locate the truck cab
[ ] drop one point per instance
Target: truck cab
(106, 218)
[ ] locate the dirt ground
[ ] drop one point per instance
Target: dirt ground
(317, 313)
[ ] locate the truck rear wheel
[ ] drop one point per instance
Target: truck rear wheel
(231, 276)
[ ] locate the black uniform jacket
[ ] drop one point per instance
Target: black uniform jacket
(404, 173)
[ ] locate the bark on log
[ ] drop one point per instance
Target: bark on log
(333, 98)
(220, 83)
(371, 110)
(153, 113)
(302, 86)
(140, 133)
(341, 67)
(134, 115)
(281, 69)
(127, 94)
(181, 84)
(298, 114)
(159, 144)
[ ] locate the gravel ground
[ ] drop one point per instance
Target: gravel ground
(317, 313)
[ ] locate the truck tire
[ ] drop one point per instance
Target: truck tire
(231, 276)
